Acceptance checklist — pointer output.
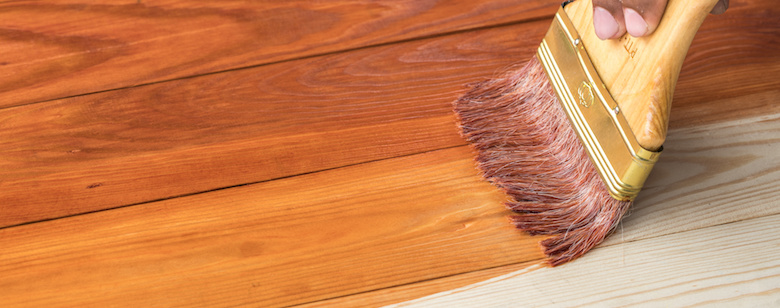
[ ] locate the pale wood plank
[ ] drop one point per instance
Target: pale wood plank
(175, 138)
(57, 48)
(731, 264)
(708, 175)
(282, 242)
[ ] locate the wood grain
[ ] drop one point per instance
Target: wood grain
(135, 145)
(58, 48)
(175, 138)
(708, 90)
(710, 175)
(726, 265)
(278, 243)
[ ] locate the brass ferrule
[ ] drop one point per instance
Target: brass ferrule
(611, 145)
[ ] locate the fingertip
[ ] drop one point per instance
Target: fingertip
(642, 16)
(605, 24)
(635, 23)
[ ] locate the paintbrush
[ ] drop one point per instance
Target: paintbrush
(572, 135)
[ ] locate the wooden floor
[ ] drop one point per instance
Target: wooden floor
(304, 153)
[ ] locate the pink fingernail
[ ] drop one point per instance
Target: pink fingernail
(635, 24)
(606, 25)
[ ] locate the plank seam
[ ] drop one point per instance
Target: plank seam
(229, 187)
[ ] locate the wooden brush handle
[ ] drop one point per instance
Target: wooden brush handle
(641, 73)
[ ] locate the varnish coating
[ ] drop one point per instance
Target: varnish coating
(319, 113)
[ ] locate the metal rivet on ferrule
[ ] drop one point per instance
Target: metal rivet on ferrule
(576, 41)
(616, 110)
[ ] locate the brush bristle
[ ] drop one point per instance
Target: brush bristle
(526, 146)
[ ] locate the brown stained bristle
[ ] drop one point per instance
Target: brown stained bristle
(526, 146)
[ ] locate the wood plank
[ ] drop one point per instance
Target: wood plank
(176, 138)
(407, 292)
(709, 175)
(59, 48)
(725, 265)
(278, 243)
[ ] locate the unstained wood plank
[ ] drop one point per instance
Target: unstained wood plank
(187, 136)
(708, 175)
(58, 48)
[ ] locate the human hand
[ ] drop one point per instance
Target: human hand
(613, 18)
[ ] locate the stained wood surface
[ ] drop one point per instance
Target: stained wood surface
(58, 48)
(264, 123)
(160, 141)
(322, 168)
(278, 243)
